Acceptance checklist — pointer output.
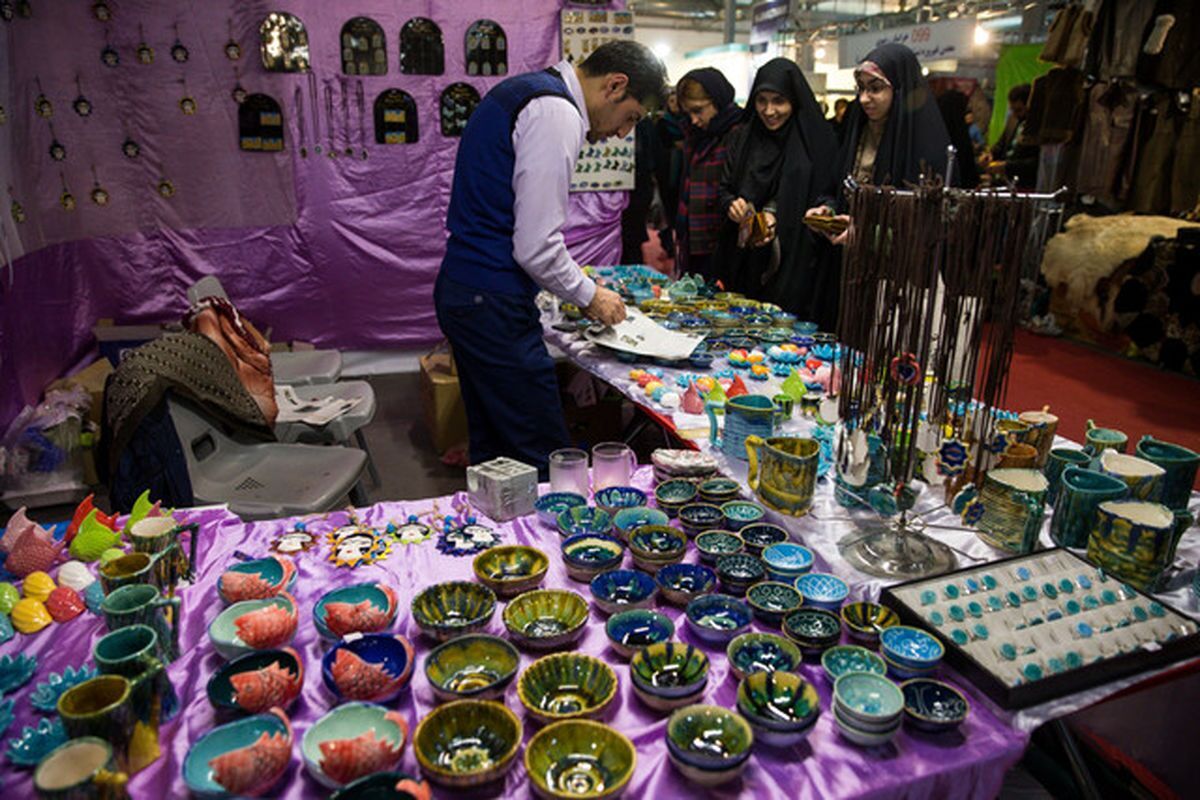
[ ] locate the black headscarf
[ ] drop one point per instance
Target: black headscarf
(914, 138)
(954, 106)
(720, 91)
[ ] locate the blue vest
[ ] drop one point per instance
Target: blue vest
(481, 219)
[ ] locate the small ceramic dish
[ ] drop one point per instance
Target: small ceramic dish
(455, 608)
(16, 671)
(476, 667)
(863, 737)
(868, 699)
(740, 513)
(616, 498)
(44, 696)
(781, 707)
(668, 675)
(699, 517)
(709, 745)
(716, 618)
(372, 667)
(546, 618)
(761, 652)
(566, 686)
(467, 743)
(656, 546)
(257, 579)
(550, 505)
(933, 706)
(384, 786)
(353, 740)
(360, 608)
(719, 491)
(625, 520)
(771, 602)
(786, 561)
(34, 741)
(822, 590)
(761, 535)
(622, 589)
(584, 519)
(240, 759)
(257, 682)
(579, 759)
(712, 545)
(674, 494)
(814, 629)
(630, 631)
(739, 572)
(587, 555)
(679, 584)
(843, 659)
(911, 647)
(254, 625)
(865, 621)
(511, 569)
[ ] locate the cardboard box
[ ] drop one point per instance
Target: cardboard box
(92, 379)
(441, 400)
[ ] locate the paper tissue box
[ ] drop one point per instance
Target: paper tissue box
(502, 488)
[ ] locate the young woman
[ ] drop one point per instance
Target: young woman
(706, 103)
(779, 161)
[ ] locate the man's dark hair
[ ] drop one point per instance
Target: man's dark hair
(1019, 93)
(647, 75)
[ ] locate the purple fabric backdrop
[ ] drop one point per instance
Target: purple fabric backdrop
(296, 242)
(969, 764)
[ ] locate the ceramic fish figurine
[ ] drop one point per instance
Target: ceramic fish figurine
(32, 553)
(235, 586)
(271, 686)
(30, 616)
(65, 604)
(364, 617)
(250, 770)
(81, 513)
(358, 679)
(344, 760)
(692, 403)
(266, 628)
(38, 585)
(93, 538)
(738, 387)
(18, 524)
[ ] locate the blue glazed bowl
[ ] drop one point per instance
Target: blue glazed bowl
(550, 505)
(772, 601)
(760, 535)
(709, 745)
(622, 589)
(904, 672)
(740, 513)
(655, 546)
(933, 706)
(716, 618)
(454, 608)
(712, 545)
(244, 735)
(630, 631)
(699, 517)
(587, 555)
(700, 360)
(617, 498)
(348, 619)
(372, 668)
(787, 561)
(911, 647)
(761, 652)
(739, 572)
(668, 674)
(844, 659)
(348, 722)
(679, 584)
(476, 667)
(625, 520)
(822, 590)
(584, 519)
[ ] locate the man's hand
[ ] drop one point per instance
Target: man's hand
(606, 307)
(739, 209)
(819, 211)
(769, 218)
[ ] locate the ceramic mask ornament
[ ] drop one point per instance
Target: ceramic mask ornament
(356, 544)
(297, 540)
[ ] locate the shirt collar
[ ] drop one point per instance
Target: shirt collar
(567, 71)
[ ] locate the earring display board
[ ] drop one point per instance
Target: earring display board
(364, 47)
(1036, 627)
(487, 49)
(457, 104)
(284, 43)
(260, 124)
(396, 118)
(422, 49)
(607, 165)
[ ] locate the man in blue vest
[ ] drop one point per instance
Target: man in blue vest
(508, 205)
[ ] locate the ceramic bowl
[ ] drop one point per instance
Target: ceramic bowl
(865, 621)
(844, 659)
(587, 555)
(814, 629)
(933, 706)
(867, 700)
(718, 491)
(716, 618)
(456, 608)
(566, 686)
(761, 652)
(672, 495)
(668, 675)
(911, 647)
(864, 737)
(712, 545)
(625, 520)
(616, 498)
(511, 569)
(630, 631)
(709, 745)
(740, 513)
(699, 517)
(467, 743)
(254, 752)
(904, 672)
(786, 561)
(584, 519)
(739, 572)
(373, 667)
(254, 625)
(822, 590)
(760, 535)
(579, 759)
(622, 589)
(771, 602)
(679, 584)
(546, 618)
(257, 682)
(351, 741)
(257, 579)
(781, 707)
(550, 505)
(655, 546)
(384, 786)
(476, 667)
(360, 608)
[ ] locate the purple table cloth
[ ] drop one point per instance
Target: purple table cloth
(971, 763)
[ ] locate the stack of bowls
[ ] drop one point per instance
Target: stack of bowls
(712, 545)
(669, 675)
(587, 555)
(625, 520)
(719, 491)
(781, 707)
(618, 498)
(699, 517)
(716, 618)
(550, 505)
(709, 744)
(910, 652)
(814, 629)
(693, 464)
(739, 572)
(655, 546)
(822, 590)
(679, 584)
(868, 708)
(865, 621)
(622, 589)
(843, 659)
(761, 535)
(786, 561)
(672, 495)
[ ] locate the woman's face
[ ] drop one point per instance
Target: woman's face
(700, 112)
(874, 95)
(773, 109)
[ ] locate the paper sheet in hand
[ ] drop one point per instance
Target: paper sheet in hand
(641, 335)
(318, 411)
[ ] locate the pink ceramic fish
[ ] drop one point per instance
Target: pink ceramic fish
(33, 552)
(358, 679)
(238, 586)
(249, 771)
(269, 627)
(418, 790)
(692, 402)
(18, 524)
(344, 760)
(364, 617)
(273, 685)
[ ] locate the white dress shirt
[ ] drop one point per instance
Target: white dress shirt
(547, 138)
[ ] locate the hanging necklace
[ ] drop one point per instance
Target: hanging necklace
(57, 151)
(238, 94)
(42, 105)
(101, 11)
(329, 120)
(233, 50)
(298, 101)
(360, 97)
(178, 52)
(16, 209)
(316, 112)
(82, 106)
(99, 195)
(187, 103)
(66, 199)
(145, 53)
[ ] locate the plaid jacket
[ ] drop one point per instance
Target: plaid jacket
(700, 216)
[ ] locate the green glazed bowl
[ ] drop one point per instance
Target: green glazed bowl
(669, 675)
(717, 543)
(579, 759)
(814, 629)
(511, 569)
(708, 744)
(566, 686)
(546, 618)
(865, 621)
(467, 743)
(476, 667)
(456, 608)
(780, 706)
(762, 652)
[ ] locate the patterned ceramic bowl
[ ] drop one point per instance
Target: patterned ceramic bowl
(739, 572)
(740, 513)
(625, 520)
(584, 519)
(546, 618)
(679, 584)
(455, 608)
(771, 602)
(712, 545)
(579, 759)
(566, 686)
(786, 561)
(814, 629)
(699, 517)
(933, 706)
(254, 625)
(622, 589)
(359, 608)
(655, 546)
(911, 647)
(474, 667)
(719, 491)
(617, 498)
(587, 555)
(709, 745)
(846, 658)
(668, 675)
(760, 535)
(716, 618)
(511, 569)
(630, 631)
(373, 667)
(243, 758)
(868, 700)
(761, 652)
(674, 494)
(822, 590)
(781, 707)
(550, 505)
(351, 741)
(467, 743)
(865, 621)
(257, 682)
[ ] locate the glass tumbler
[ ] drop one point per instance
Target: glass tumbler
(612, 465)
(569, 471)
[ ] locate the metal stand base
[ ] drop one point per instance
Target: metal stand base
(896, 548)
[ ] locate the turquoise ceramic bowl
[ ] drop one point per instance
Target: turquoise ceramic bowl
(911, 647)
(844, 659)
(625, 520)
(868, 699)
(740, 513)
(718, 491)
(787, 561)
(616, 498)
(633, 630)
(550, 505)
(674, 494)
(761, 652)
(579, 759)
(822, 590)
(254, 625)
(781, 707)
(709, 745)
(467, 743)
(476, 667)
(456, 608)
(623, 589)
(546, 618)
(269, 678)
(341, 611)
(585, 519)
(256, 767)
(771, 602)
(587, 555)
(669, 674)
(334, 758)
(511, 569)
(712, 545)
(566, 686)
(257, 579)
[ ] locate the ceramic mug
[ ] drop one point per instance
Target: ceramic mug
(134, 568)
(143, 605)
(130, 651)
(1180, 465)
(787, 406)
(569, 471)
(1019, 455)
(1097, 439)
(1143, 478)
(1057, 460)
(745, 415)
(1081, 493)
(104, 707)
(1043, 426)
(613, 464)
(1013, 431)
(81, 769)
(154, 535)
(1133, 540)
(783, 472)
(1013, 502)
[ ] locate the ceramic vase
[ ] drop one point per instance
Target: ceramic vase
(783, 472)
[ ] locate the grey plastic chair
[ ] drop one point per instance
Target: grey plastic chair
(267, 479)
(341, 429)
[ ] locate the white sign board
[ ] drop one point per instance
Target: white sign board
(953, 38)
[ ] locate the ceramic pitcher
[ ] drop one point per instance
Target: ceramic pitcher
(1143, 478)
(144, 605)
(130, 651)
(783, 472)
(1057, 462)
(1180, 464)
(1013, 502)
(1133, 540)
(1081, 493)
(135, 568)
(1097, 439)
(745, 415)
(104, 707)
(154, 535)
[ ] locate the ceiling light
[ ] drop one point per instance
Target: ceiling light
(982, 36)
(662, 50)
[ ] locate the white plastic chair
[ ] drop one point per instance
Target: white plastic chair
(342, 428)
